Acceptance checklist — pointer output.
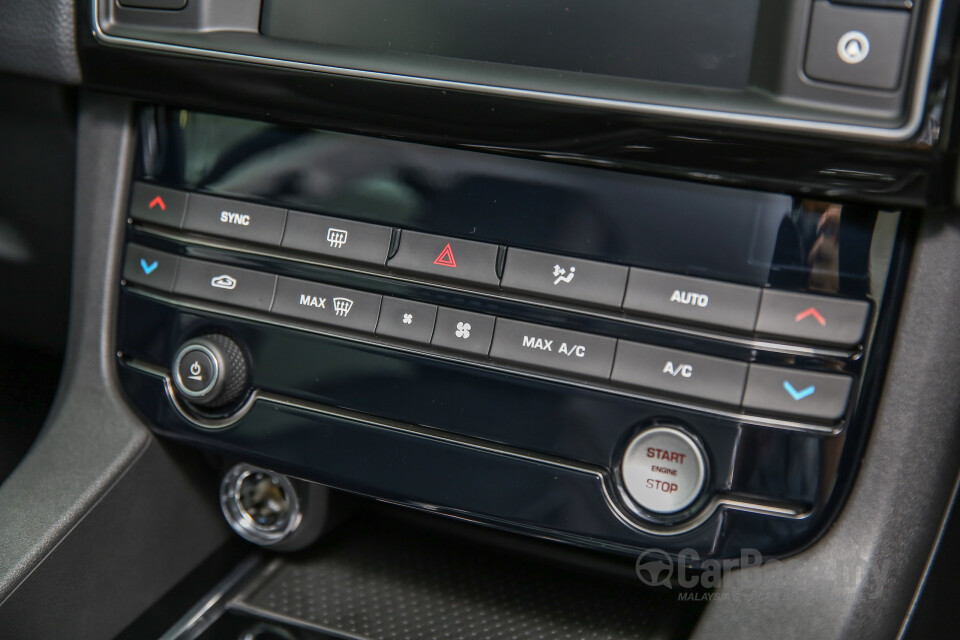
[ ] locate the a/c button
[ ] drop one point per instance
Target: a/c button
(680, 373)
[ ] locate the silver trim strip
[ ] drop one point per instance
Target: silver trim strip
(925, 57)
(501, 295)
(373, 340)
(728, 501)
(207, 611)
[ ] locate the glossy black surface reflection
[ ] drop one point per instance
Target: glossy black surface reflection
(722, 233)
(513, 449)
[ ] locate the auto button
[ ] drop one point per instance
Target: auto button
(695, 300)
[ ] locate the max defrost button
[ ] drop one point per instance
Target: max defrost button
(663, 470)
(692, 299)
(804, 394)
(229, 285)
(235, 219)
(680, 373)
(569, 352)
(446, 258)
(579, 281)
(353, 310)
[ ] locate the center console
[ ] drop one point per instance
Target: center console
(611, 360)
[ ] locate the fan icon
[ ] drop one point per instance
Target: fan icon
(463, 330)
(408, 318)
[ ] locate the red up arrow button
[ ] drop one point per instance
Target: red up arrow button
(811, 313)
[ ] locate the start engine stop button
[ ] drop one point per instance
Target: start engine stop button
(663, 470)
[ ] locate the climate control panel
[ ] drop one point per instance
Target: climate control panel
(610, 360)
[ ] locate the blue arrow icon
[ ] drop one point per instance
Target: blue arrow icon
(148, 268)
(798, 395)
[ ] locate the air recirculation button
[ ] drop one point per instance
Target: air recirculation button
(210, 371)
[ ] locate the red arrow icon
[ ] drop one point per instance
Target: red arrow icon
(446, 259)
(158, 201)
(811, 312)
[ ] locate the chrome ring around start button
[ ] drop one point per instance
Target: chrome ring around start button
(663, 470)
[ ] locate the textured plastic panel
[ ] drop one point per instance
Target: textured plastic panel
(384, 583)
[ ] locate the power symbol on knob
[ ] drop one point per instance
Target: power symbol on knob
(210, 371)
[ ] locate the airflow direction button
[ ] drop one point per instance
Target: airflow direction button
(582, 282)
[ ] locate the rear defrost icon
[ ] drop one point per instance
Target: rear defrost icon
(224, 282)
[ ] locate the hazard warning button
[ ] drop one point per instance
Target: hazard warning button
(440, 258)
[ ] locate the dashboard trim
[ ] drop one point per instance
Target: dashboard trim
(505, 295)
(603, 478)
(928, 35)
(244, 314)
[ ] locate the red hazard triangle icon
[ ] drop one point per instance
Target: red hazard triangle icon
(446, 259)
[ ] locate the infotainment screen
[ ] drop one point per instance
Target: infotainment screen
(696, 42)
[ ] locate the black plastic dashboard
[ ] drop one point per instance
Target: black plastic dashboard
(452, 344)
(762, 275)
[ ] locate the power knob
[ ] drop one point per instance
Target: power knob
(210, 371)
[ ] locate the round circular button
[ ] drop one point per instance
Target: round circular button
(210, 371)
(197, 371)
(663, 470)
(853, 47)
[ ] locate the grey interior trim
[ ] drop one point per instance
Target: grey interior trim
(38, 38)
(93, 502)
(928, 34)
(859, 580)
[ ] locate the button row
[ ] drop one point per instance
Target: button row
(818, 319)
(670, 372)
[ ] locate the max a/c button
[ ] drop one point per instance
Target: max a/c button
(569, 352)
